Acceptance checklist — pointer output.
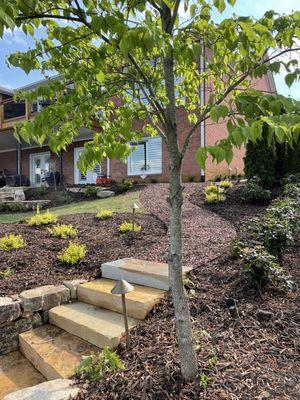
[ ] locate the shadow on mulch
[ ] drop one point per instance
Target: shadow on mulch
(253, 358)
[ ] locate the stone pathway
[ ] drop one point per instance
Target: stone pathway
(206, 235)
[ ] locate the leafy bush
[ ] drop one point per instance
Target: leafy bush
(212, 189)
(12, 207)
(290, 178)
(95, 366)
(287, 210)
(65, 197)
(292, 191)
(226, 184)
(39, 218)
(63, 231)
(125, 185)
(90, 191)
(40, 191)
(73, 254)
(191, 178)
(260, 267)
(129, 227)
(276, 236)
(213, 198)
(236, 247)
(253, 193)
(11, 242)
(104, 214)
(6, 273)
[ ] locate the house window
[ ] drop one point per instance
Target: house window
(146, 158)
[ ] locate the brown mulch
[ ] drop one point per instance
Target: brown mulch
(254, 357)
(36, 264)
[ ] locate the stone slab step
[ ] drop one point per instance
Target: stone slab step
(146, 273)
(54, 352)
(58, 389)
(95, 325)
(138, 303)
(16, 372)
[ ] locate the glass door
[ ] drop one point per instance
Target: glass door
(40, 167)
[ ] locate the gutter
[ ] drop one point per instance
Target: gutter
(202, 103)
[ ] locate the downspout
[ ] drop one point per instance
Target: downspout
(107, 167)
(202, 103)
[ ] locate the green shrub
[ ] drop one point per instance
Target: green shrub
(253, 193)
(277, 236)
(226, 184)
(213, 189)
(260, 160)
(287, 210)
(65, 197)
(63, 231)
(6, 273)
(90, 191)
(12, 207)
(11, 242)
(73, 254)
(213, 198)
(260, 267)
(191, 178)
(290, 178)
(39, 218)
(40, 191)
(153, 180)
(96, 366)
(236, 247)
(129, 227)
(125, 185)
(104, 214)
(292, 191)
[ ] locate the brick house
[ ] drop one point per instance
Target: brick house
(30, 163)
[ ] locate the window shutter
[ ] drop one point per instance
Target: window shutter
(154, 155)
(97, 170)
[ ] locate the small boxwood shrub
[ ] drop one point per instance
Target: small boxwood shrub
(73, 254)
(90, 191)
(260, 267)
(104, 214)
(95, 366)
(129, 227)
(212, 189)
(226, 184)
(213, 198)
(253, 193)
(12, 207)
(63, 231)
(11, 242)
(46, 218)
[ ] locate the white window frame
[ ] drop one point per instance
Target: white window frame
(91, 176)
(145, 172)
(31, 167)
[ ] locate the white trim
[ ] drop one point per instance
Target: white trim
(107, 167)
(91, 176)
(31, 156)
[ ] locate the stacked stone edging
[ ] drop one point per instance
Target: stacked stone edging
(30, 310)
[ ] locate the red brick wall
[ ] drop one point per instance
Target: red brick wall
(118, 169)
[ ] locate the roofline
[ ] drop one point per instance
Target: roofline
(39, 83)
(6, 91)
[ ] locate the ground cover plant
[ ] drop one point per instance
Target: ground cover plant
(104, 214)
(131, 226)
(11, 242)
(63, 231)
(42, 218)
(73, 254)
(254, 193)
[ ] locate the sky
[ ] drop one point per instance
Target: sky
(18, 41)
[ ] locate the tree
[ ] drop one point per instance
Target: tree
(138, 59)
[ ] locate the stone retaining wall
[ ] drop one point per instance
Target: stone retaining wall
(30, 309)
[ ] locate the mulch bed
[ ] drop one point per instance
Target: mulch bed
(36, 264)
(255, 357)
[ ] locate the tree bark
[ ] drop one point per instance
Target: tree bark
(188, 359)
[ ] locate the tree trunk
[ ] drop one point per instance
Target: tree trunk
(188, 359)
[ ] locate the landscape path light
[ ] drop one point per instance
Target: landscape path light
(135, 207)
(122, 287)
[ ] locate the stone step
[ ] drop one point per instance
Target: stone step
(146, 273)
(95, 325)
(54, 352)
(16, 373)
(58, 389)
(138, 303)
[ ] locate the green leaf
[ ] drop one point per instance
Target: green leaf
(220, 5)
(290, 78)
(218, 112)
(100, 77)
(201, 157)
